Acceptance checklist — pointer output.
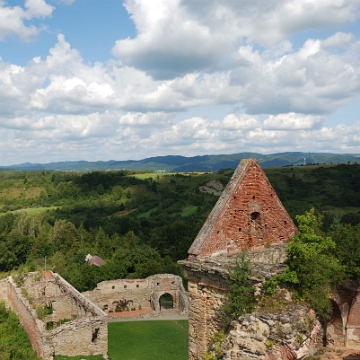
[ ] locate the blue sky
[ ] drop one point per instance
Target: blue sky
(105, 79)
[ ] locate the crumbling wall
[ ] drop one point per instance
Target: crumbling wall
(353, 323)
(206, 318)
(286, 334)
(4, 291)
(87, 336)
(27, 317)
(85, 330)
(142, 293)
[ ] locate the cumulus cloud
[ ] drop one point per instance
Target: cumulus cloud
(12, 19)
(293, 121)
(177, 37)
(261, 91)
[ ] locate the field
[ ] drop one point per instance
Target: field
(148, 340)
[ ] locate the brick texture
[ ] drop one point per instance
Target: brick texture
(248, 215)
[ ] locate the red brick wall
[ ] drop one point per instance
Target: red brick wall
(248, 215)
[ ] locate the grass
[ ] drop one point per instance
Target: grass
(147, 214)
(37, 209)
(189, 211)
(153, 175)
(149, 340)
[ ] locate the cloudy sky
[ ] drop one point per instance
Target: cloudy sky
(106, 79)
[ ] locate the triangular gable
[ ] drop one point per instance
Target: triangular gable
(248, 215)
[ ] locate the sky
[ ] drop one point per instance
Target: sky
(126, 80)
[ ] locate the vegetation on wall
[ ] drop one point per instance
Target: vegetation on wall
(313, 270)
(241, 298)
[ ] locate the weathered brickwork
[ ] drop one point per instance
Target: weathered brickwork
(141, 293)
(248, 215)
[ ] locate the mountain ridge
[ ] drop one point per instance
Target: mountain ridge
(179, 163)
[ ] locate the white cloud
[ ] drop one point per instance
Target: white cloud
(187, 56)
(339, 39)
(293, 121)
(38, 9)
(177, 37)
(12, 19)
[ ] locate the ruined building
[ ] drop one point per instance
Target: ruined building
(61, 321)
(57, 318)
(249, 216)
(140, 293)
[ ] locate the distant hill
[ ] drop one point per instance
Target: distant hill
(177, 163)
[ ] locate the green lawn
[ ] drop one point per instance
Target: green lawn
(148, 340)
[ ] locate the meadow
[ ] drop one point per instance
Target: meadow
(148, 340)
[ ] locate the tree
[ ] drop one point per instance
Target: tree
(347, 239)
(311, 259)
(64, 236)
(241, 296)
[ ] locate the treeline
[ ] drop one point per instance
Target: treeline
(140, 227)
(139, 223)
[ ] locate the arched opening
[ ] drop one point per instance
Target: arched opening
(166, 301)
(255, 220)
(334, 333)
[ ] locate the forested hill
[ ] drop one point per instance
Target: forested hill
(196, 163)
(142, 223)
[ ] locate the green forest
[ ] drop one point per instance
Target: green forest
(142, 222)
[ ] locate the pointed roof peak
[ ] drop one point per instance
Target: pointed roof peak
(247, 216)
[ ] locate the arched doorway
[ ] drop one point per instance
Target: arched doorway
(166, 301)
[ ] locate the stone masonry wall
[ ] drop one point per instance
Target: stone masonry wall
(288, 335)
(84, 333)
(142, 293)
(4, 291)
(353, 323)
(87, 336)
(207, 296)
(27, 316)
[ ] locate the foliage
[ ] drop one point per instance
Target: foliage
(14, 343)
(347, 240)
(63, 216)
(43, 311)
(311, 258)
(241, 298)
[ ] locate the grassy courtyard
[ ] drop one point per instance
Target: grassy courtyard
(148, 340)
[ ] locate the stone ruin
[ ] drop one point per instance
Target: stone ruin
(127, 294)
(57, 318)
(249, 216)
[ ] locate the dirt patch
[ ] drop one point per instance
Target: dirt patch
(131, 313)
